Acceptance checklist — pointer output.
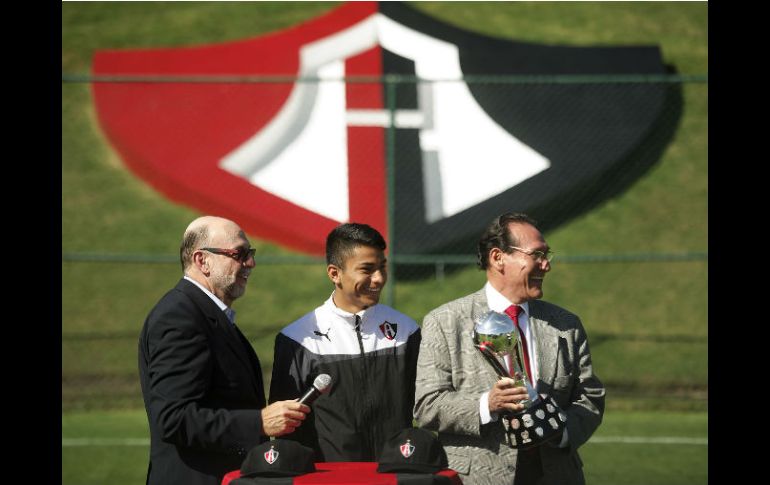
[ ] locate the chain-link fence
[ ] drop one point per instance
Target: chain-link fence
(614, 168)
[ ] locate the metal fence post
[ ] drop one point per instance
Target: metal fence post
(390, 170)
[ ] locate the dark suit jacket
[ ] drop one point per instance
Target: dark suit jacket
(202, 388)
(452, 375)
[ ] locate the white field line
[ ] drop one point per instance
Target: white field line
(67, 442)
(658, 440)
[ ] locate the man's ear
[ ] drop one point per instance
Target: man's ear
(201, 262)
(496, 258)
(334, 273)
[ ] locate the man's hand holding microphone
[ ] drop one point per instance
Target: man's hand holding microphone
(283, 417)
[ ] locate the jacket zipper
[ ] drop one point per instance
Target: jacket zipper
(364, 383)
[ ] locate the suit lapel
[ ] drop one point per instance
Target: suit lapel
(546, 343)
(235, 339)
(479, 307)
(222, 327)
(246, 354)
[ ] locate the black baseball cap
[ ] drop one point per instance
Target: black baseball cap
(278, 458)
(412, 450)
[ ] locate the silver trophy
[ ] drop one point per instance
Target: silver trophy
(541, 420)
(499, 341)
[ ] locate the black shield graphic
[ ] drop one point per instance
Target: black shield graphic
(599, 137)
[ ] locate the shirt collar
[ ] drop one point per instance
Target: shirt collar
(344, 314)
(211, 295)
(498, 303)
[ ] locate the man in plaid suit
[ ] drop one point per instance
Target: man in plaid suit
(459, 395)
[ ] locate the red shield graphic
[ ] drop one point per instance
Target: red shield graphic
(178, 135)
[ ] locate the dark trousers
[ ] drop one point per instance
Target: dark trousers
(529, 467)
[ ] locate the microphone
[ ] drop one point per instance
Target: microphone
(321, 385)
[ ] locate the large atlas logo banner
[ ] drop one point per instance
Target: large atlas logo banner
(291, 159)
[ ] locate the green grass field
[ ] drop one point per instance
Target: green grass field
(633, 448)
(647, 321)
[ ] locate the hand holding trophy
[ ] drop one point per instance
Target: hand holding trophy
(498, 340)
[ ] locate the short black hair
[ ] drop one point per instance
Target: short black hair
(344, 238)
(498, 236)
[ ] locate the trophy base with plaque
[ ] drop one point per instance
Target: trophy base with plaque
(498, 340)
(540, 422)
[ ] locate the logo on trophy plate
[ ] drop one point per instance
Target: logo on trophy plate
(541, 420)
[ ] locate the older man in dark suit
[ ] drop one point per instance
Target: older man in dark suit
(459, 394)
(201, 379)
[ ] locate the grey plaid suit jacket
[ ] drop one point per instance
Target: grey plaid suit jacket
(452, 375)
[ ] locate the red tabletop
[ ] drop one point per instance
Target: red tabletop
(347, 473)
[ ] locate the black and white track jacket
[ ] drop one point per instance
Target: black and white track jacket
(371, 357)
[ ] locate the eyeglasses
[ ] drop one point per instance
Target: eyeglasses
(241, 255)
(539, 256)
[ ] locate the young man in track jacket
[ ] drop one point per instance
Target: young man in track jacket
(368, 349)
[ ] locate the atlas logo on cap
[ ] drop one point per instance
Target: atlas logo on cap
(407, 449)
(262, 460)
(399, 455)
(271, 455)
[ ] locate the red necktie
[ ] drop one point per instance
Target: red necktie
(513, 312)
